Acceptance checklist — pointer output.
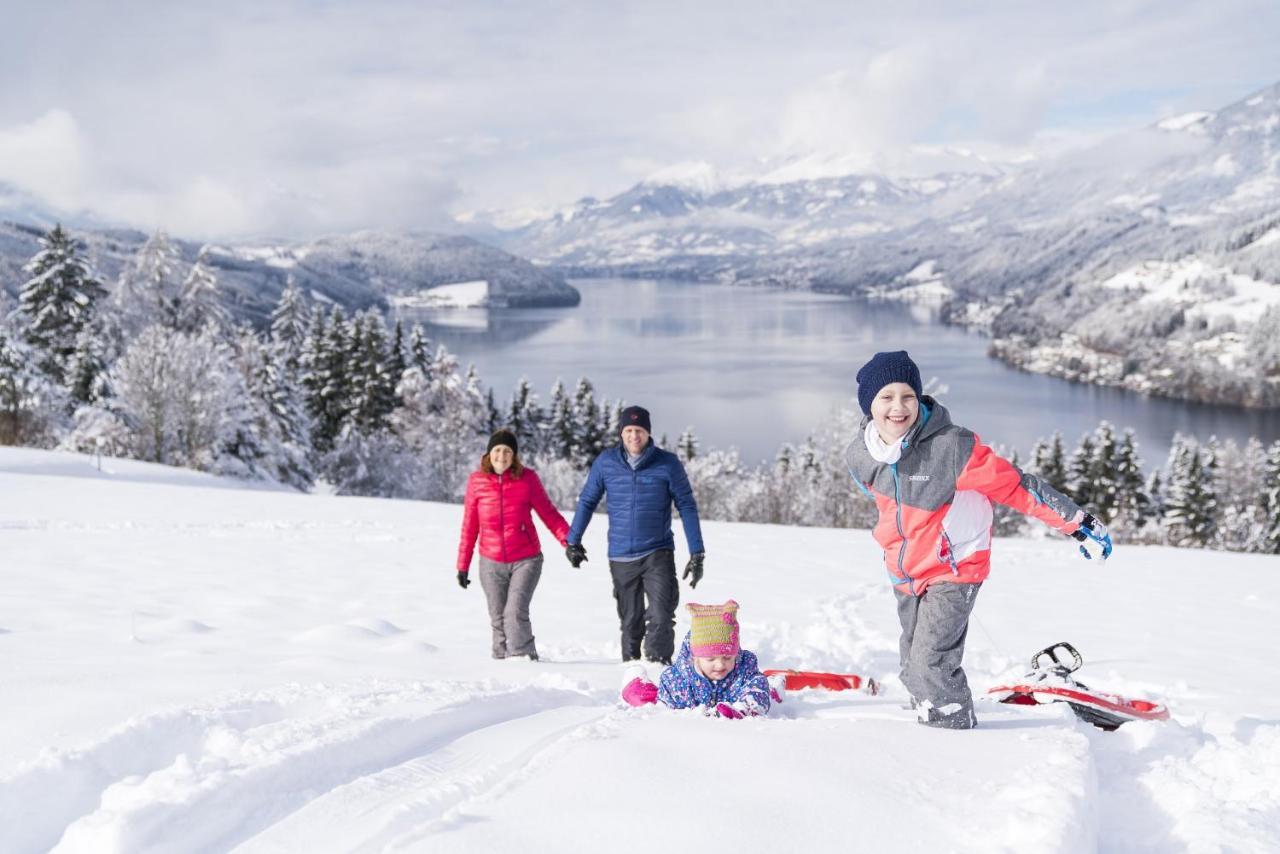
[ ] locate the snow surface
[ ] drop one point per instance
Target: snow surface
(457, 295)
(195, 668)
(1199, 286)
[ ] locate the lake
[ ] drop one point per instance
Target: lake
(752, 367)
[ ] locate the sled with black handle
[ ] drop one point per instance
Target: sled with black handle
(1050, 681)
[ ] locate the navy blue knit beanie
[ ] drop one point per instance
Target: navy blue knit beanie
(885, 368)
(635, 416)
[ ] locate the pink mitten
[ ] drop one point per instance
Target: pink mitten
(725, 710)
(639, 692)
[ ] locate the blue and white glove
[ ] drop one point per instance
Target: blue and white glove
(1091, 529)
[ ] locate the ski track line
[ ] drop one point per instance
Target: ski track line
(236, 783)
(400, 806)
(38, 801)
(1190, 785)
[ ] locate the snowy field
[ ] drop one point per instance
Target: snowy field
(190, 667)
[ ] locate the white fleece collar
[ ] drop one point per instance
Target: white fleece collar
(879, 450)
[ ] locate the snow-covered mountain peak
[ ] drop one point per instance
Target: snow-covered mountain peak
(695, 176)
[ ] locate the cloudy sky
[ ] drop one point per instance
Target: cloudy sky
(297, 118)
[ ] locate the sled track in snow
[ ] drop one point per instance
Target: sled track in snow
(357, 771)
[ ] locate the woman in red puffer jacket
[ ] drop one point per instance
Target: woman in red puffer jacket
(496, 511)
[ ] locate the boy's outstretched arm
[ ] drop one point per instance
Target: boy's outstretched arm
(1000, 480)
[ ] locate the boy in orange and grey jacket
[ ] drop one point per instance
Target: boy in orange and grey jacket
(933, 483)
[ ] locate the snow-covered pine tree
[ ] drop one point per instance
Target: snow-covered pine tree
(441, 422)
(419, 353)
(250, 437)
(149, 289)
(1132, 509)
(397, 358)
(1269, 541)
(560, 440)
(328, 380)
(293, 458)
(199, 301)
(57, 302)
(87, 368)
(1048, 460)
(1190, 505)
(687, 445)
(1080, 472)
(30, 402)
(1103, 474)
(373, 391)
(588, 434)
(289, 324)
(524, 417)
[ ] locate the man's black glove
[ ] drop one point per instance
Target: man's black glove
(576, 554)
(694, 568)
(463, 581)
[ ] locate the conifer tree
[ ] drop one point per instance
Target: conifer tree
(289, 325)
(1103, 476)
(1132, 506)
(561, 439)
(1270, 539)
(57, 302)
(149, 290)
(1190, 504)
(588, 434)
(1049, 462)
(373, 391)
(397, 359)
(328, 381)
(87, 369)
(687, 445)
(419, 351)
(524, 417)
(1080, 472)
(200, 302)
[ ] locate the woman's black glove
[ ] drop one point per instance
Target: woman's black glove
(463, 581)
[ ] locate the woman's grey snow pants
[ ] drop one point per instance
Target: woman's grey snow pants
(509, 587)
(934, 627)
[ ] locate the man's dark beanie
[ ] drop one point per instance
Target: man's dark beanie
(504, 437)
(635, 416)
(885, 368)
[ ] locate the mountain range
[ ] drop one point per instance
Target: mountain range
(357, 271)
(1148, 261)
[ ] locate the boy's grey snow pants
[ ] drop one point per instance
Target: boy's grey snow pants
(509, 587)
(934, 627)
(652, 577)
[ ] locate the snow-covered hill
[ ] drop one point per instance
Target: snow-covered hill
(208, 669)
(1023, 251)
(355, 270)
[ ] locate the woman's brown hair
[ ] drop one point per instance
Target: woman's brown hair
(516, 469)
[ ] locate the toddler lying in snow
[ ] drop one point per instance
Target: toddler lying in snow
(711, 671)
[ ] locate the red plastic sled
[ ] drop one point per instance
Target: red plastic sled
(1110, 704)
(794, 680)
(1052, 683)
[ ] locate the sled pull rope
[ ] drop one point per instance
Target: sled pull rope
(1058, 664)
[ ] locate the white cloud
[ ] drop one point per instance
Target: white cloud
(46, 158)
(300, 117)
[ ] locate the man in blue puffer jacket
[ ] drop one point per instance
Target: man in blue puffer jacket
(641, 481)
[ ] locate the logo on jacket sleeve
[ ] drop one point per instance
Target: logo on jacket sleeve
(918, 477)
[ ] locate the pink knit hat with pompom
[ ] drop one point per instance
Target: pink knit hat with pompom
(714, 629)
